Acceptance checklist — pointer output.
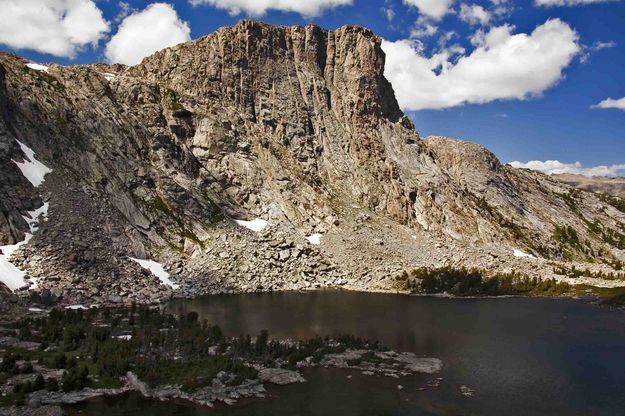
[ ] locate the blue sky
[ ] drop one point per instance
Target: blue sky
(546, 115)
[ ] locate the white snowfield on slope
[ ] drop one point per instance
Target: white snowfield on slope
(157, 270)
(35, 172)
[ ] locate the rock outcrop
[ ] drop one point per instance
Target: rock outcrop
(293, 125)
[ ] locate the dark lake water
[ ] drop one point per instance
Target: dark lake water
(522, 356)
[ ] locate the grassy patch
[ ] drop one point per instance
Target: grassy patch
(594, 227)
(171, 99)
(175, 247)
(159, 204)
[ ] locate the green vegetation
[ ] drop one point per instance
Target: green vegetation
(609, 296)
(616, 202)
(574, 272)
(214, 213)
(465, 282)
(175, 247)
(570, 242)
(186, 233)
(616, 264)
(21, 390)
(515, 229)
(159, 204)
(171, 98)
(594, 227)
(605, 234)
(570, 199)
(518, 232)
(97, 347)
(566, 235)
(614, 297)
(613, 238)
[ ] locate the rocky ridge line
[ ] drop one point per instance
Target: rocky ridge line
(293, 125)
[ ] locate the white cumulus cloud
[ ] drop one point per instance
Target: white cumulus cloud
(144, 32)
(124, 10)
(611, 103)
(307, 8)
(551, 167)
(423, 30)
(474, 14)
(57, 27)
(502, 66)
(595, 47)
(434, 9)
(549, 3)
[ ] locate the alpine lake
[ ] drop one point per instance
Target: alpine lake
(501, 356)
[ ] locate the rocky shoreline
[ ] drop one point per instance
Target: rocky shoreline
(15, 306)
(67, 356)
(387, 364)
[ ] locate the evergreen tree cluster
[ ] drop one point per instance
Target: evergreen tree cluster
(97, 347)
(473, 282)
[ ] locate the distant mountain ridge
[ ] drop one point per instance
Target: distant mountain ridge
(614, 186)
(295, 126)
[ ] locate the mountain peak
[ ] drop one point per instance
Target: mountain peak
(291, 131)
(252, 61)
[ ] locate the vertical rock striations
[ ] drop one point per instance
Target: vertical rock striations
(294, 125)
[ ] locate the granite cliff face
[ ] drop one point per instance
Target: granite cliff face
(296, 126)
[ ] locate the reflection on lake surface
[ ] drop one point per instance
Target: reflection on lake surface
(521, 356)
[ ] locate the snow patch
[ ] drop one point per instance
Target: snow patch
(76, 307)
(519, 253)
(124, 337)
(314, 239)
(157, 270)
(31, 168)
(108, 76)
(254, 225)
(35, 172)
(10, 275)
(37, 67)
(34, 217)
(10, 249)
(36, 310)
